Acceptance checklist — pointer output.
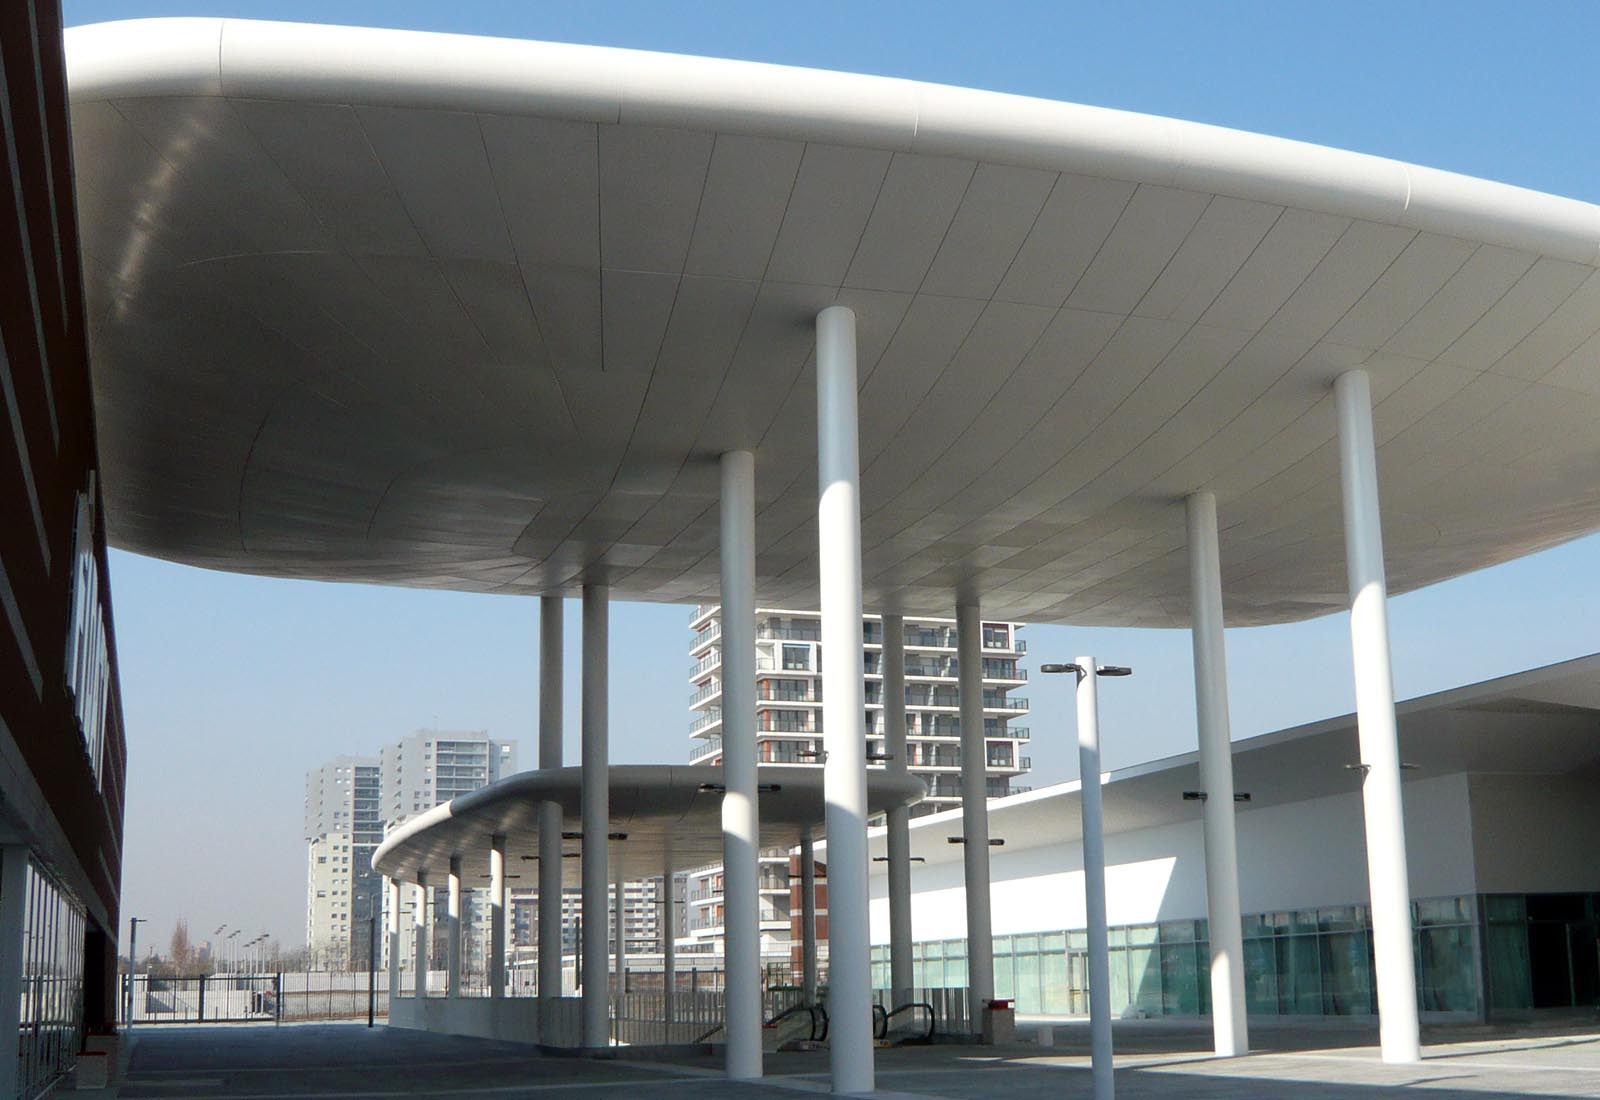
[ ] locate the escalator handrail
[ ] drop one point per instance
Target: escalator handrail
(812, 1010)
(880, 1022)
(907, 1007)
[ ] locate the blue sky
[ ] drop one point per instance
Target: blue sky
(234, 686)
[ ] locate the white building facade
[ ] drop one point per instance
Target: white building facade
(343, 826)
(350, 803)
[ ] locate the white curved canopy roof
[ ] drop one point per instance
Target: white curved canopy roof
(660, 813)
(479, 314)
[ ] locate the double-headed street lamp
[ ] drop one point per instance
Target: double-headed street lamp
(1094, 863)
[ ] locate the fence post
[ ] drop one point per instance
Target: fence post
(200, 1008)
(277, 998)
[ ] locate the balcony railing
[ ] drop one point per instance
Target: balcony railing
(706, 692)
(709, 718)
(766, 723)
(705, 664)
(789, 633)
(706, 748)
(707, 634)
(787, 695)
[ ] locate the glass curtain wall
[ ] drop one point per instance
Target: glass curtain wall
(1543, 951)
(52, 984)
(1297, 962)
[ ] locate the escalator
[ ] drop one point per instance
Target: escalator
(911, 1024)
(799, 1027)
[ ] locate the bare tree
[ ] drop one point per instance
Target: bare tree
(180, 949)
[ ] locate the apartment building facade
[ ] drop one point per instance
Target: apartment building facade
(343, 827)
(789, 731)
(350, 802)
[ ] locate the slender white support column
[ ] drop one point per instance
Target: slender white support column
(740, 832)
(421, 948)
(844, 701)
(596, 947)
(669, 945)
(1387, 877)
(899, 819)
(497, 915)
(808, 916)
(550, 734)
(1230, 1029)
(452, 931)
(1094, 879)
(13, 920)
(975, 811)
(391, 927)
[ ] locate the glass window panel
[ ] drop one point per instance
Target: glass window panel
(1144, 971)
(1119, 981)
(955, 949)
(1444, 911)
(1446, 967)
(1053, 977)
(955, 973)
(1340, 918)
(1002, 946)
(1027, 945)
(1053, 941)
(1177, 931)
(1005, 986)
(1346, 975)
(1299, 975)
(1180, 977)
(1077, 941)
(1029, 996)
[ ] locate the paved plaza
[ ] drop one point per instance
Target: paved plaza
(1315, 1062)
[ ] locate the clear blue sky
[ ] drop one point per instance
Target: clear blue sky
(234, 686)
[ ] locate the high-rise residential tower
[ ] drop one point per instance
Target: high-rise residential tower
(351, 801)
(789, 728)
(343, 826)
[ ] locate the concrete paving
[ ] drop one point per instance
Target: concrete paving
(1155, 1058)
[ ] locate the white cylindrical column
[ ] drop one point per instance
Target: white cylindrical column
(497, 915)
(596, 947)
(808, 916)
(975, 811)
(740, 831)
(452, 931)
(1387, 877)
(1229, 1024)
(669, 945)
(422, 945)
(391, 926)
(550, 733)
(898, 833)
(1094, 879)
(844, 702)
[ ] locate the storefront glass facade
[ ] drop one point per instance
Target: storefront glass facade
(1541, 953)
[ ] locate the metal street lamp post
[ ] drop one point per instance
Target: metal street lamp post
(1094, 864)
(133, 963)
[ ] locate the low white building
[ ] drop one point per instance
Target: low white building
(1502, 826)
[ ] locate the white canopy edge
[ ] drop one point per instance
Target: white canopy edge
(248, 59)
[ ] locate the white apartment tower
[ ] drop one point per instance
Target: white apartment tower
(419, 772)
(343, 826)
(351, 802)
(789, 728)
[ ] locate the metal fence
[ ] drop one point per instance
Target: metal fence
(252, 998)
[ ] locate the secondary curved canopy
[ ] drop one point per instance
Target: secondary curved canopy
(479, 314)
(660, 814)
